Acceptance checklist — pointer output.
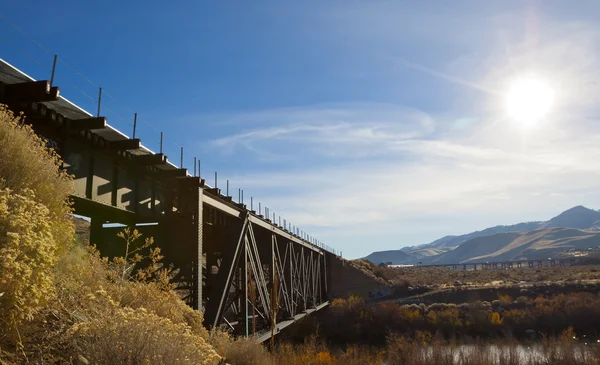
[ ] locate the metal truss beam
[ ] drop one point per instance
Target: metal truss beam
(262, 291)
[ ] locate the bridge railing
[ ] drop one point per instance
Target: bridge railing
(83, 91)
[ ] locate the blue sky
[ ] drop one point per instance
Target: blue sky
(372, 125)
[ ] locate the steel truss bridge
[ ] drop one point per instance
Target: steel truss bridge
(246, 271)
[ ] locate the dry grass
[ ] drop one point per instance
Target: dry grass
(240, 351)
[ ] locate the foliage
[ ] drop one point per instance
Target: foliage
(128, 336)
(100, 317)
(355, 321)
(151, 271)
(27, 164)
(27, 254)
(34, 224)
(240, 351)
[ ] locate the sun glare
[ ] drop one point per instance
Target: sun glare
(529, 100)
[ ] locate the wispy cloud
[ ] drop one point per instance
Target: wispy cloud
(371, 176)
(347, 130)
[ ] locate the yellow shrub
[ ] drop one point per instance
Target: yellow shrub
(432, 317)
(26, 163)
(130, 336)
(495, 318)
(240, 351)
(27, 255)
(408, 314)
(505, 298)
(324, 357)
(339, 303)
(513, 316)
(34, 223)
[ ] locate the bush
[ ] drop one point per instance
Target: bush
(35, 227)
(27, 164)
(108, 320)
(240, 351)
(130, 336)
(27, 255)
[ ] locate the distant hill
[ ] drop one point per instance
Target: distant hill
(576, 217)
(82, 230)
(537, 244)
(491, 243)
(393, 256)
(448, 243)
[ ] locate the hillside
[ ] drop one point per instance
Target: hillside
(537, 244)
(577, 227)
(448, 243)
(576, 217)
(394, 256)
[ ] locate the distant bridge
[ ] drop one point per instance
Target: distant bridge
(508, 264)
(246, 271)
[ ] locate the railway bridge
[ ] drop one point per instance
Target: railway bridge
(243, 268)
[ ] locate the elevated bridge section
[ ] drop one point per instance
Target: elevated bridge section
(245, 271)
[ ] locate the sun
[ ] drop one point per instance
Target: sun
(529, 100)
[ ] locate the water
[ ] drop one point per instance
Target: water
(504, 354)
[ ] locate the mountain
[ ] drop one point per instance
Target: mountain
(449, 243)
(394, 256)
(535, 245)
(578, 227)
(576, 217)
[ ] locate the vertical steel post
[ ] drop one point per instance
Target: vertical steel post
(245, 286)
(99, 101)
(53, 70)
(181, 158)
(274, 292)
(227, 191)
(292, 291)
(134, 124)
(215, 179)
(199, 220)
(199, 168)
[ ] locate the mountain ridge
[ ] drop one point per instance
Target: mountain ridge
(489, 243)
